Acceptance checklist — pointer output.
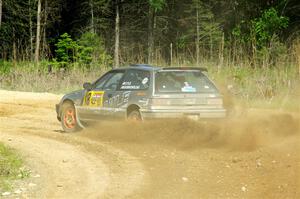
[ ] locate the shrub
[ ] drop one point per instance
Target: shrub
(66, 50)
(91, 50)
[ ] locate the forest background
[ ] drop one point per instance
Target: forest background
(251, 48)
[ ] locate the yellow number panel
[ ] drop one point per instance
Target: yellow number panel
(93, 98)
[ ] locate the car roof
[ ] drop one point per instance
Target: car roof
(202, 69)
(157, 68)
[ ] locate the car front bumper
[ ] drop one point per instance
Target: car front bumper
(193, 114)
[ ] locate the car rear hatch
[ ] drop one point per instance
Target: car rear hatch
(186, 90)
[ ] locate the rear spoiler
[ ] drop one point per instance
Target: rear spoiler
(202, 69)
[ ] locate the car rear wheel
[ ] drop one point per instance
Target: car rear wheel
(134, 116)
(68, 118)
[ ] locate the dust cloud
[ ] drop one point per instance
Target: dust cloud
(243, 133)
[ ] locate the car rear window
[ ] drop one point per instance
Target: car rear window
(191, 81)
(135, 80)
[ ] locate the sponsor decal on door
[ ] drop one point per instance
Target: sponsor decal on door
(93, 99)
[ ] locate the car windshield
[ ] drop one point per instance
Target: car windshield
(183, 81)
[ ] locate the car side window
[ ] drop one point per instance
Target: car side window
(100, 83)
(135, 80)
(113, 82)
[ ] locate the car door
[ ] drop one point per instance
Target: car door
(97, 102)
(116, 101)
(112, 97)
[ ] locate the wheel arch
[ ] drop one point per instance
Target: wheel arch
(68, 101)
(65, 101)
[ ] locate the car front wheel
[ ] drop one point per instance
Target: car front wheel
(68, 118)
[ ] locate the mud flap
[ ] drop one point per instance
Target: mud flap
(78, 119)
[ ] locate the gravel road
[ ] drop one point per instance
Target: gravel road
(255, 155)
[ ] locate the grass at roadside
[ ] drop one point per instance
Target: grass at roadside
(10, 167)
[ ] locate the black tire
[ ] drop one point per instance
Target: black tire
(68, 118)
(134, 115)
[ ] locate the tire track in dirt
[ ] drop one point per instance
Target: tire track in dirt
(64, 169)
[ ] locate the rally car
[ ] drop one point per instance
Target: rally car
(141, 92)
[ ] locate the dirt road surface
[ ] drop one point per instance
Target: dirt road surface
(254, 155)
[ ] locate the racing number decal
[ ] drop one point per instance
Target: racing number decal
(93, 98)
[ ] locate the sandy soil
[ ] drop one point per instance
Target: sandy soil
(254, 155)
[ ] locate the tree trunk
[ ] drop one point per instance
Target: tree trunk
(210, 46)
(298, 56)
(221, 54)
(171, 54)
(44, 43)
(38, 33)
(197, 38)
(14, 53)
(30, 31)
(117, 36)
(0, 12)
(151, 16)
(92, 16)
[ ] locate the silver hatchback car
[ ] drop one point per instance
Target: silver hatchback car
(141, 92)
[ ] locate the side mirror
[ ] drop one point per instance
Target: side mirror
(87, 86)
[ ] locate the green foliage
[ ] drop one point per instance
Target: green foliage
(266, 29)
(66, 49)
(91, 50)
(263, 28)
(236, 31)
(88, 50)
(260, 38)
(242, 32)
(157, 4)
(85, 55)
(182, 41)
(24, 173)
(5, 67)
(10, 165)
(275, 52)
(269, 24)
(255, 26)
(197, 22)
